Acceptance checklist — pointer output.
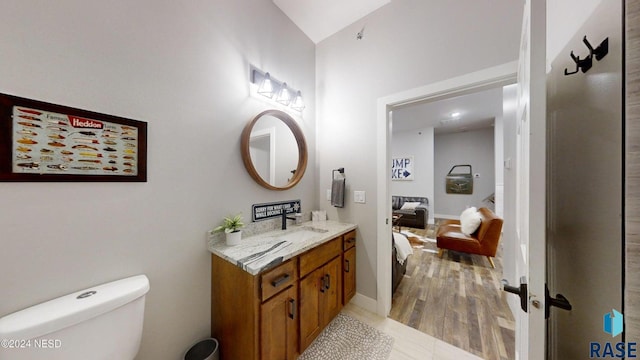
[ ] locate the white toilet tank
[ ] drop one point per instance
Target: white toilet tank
(102, 323)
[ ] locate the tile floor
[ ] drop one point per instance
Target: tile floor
(409, 343)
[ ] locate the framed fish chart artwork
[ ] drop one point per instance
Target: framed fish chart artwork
(40, 141)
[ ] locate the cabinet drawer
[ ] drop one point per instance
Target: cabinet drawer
(278, 279)
(349, 240)
(317, 257)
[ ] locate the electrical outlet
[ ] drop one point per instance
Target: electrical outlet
(328, 194)
(359, 197)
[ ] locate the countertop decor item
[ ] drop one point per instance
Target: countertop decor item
(231, 226)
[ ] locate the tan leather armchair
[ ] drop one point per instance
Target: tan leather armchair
(482, 242)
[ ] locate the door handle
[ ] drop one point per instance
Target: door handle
(277, 282)
(521, 291)
(559, 301)
(292, 308)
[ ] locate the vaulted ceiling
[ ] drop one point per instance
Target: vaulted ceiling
(319, 19)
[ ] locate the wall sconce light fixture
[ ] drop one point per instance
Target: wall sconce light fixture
(298, 104)
(266, 87)
(284, 97)
(274, 89)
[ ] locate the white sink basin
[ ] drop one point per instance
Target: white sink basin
(301, 234)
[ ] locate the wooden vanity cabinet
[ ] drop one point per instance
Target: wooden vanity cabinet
(320, 300)
(255, 316)
(279, 326)
(320, 289)
(348, 267)
(277, 314)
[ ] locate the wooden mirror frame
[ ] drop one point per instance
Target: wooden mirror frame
(302, 149)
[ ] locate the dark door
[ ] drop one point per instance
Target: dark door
(585, 201)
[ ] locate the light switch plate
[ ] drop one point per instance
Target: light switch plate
(328, 194)
(359, 197)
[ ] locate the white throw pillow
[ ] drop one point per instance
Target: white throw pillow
(409, 205)
(470, 220)
(468, 211)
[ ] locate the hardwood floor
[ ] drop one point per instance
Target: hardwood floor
(457, 299)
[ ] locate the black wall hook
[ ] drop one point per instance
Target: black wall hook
(601, 51)
(585, 64)
(581, 64)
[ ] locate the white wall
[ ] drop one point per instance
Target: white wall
(563, 18)
(473, 148)
(407, 43)
(419, 144)
(184, 68)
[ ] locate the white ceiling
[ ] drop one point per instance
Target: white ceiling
(477, 110)
(319, 19)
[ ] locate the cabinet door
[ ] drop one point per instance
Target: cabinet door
(310, 314)
(279, 326)
(331, 303)
(349, 275)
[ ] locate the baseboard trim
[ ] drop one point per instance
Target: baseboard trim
(365, 302)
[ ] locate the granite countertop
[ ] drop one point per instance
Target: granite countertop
(280, 245)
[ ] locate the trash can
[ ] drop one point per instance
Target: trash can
(206, 349)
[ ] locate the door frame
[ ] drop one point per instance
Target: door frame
(492, 77)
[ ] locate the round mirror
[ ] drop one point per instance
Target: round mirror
(274, 150)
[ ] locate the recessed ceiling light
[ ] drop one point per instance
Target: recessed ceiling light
(455, 114)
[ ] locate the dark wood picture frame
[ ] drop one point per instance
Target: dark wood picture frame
(110, 163)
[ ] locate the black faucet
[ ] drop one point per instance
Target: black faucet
(284, 220)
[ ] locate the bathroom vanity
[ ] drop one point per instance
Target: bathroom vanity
(273, 295)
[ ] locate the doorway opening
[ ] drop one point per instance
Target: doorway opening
(456, 298)
(490, 78)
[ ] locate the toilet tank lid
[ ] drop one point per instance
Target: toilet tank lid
(68, 310)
